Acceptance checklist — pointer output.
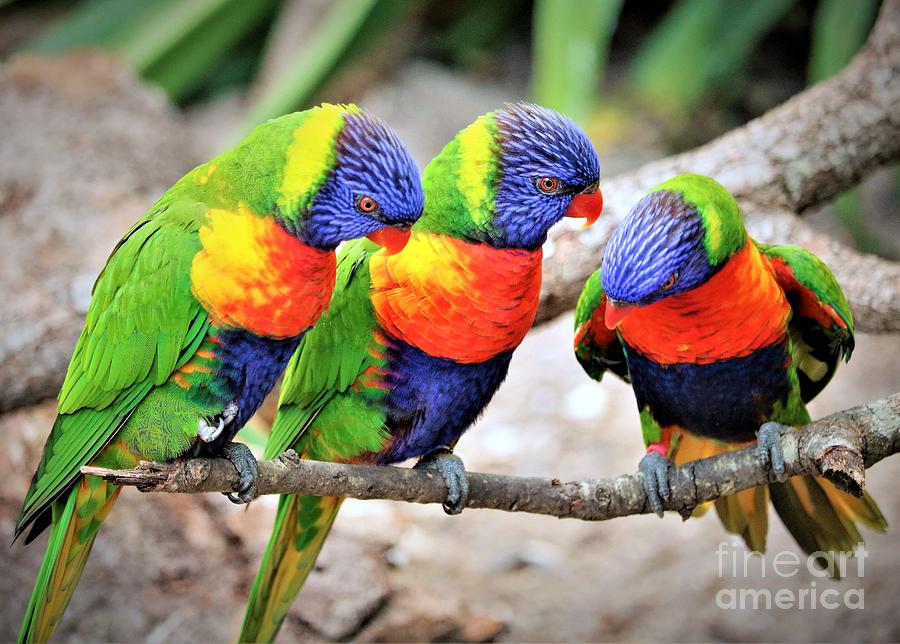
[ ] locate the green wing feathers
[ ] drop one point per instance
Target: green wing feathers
(143, 323)
(597, 348)
(332, 357)
(821, 327)
(812, 274)
(140, 313)
(328, 411)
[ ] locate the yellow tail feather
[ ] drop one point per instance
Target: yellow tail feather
(746, 514)
(691, 448)
(76, 519)
(861, 510)
(301, 526)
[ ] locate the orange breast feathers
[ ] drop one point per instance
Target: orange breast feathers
(251, 274)
(454, 299)
(740, 309)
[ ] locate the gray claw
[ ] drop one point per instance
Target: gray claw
(245, 463)
(655, 468)
(768, 446)
(453, 471)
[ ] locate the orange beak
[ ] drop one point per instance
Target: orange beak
(586, 205)
(393, 239)
(615, 313)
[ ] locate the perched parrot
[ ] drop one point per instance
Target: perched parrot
(197, 312)
(724, 340)
(415, 344)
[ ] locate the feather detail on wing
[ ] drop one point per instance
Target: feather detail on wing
(821, 326)
(597, 348)
(142, 325)
(344, 350)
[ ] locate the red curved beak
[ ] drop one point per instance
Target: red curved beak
(393, 239)
(586, 205)
(615, 313)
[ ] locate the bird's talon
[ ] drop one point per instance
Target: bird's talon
(245, 464)
(210, 429)
(230, 412)
(768, 446)
(655, 469)
(453, 471)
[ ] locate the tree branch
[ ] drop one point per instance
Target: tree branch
(838, 447)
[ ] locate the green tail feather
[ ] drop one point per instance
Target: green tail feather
(818, 515)
(746, 514)
(77, 517)
(822, 518)
(301, 526)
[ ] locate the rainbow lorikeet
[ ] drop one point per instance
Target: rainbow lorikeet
(415, 344)
(198, 311)
(724, 340)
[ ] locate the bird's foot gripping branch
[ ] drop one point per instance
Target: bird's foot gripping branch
(839, 447)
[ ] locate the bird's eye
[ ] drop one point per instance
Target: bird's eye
(366, 205)
(547, 185)
(669, 283)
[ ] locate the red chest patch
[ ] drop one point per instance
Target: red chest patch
(453, 299)
(251, 274)
(740, 309)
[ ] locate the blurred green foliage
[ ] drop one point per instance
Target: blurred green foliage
(839, 29)
(695, 49)
(172, 43)
(571, 42)
(314, 59)
(477, 28)
(700, 47)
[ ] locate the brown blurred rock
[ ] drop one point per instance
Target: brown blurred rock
(160, 565)
(348, 586)
(421, 615)
(482, 628)
(416, 616)
(86, 151)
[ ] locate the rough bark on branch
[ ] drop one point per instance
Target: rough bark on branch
(797, 156)
(838, 447)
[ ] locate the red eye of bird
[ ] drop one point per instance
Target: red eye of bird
(669, 283)
(366, 205)
(548, 185)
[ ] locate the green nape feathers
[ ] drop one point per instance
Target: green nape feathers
(461, 183)
(719, 212)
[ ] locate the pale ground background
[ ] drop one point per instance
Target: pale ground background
(169, 568)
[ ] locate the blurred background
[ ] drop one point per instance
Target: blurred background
(646, 77)
(105, 103)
